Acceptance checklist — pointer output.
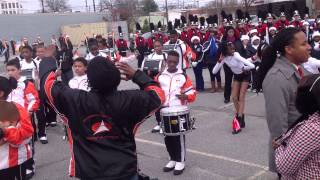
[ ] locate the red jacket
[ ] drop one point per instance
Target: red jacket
(297, 24)
(281, 25)
(121, 43)
(16, 149)
(184, 36)
(26, 95)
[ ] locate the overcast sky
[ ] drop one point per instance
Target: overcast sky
(31, 6)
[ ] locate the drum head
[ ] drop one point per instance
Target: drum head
(175, 110)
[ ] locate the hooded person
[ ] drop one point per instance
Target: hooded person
(102, 136)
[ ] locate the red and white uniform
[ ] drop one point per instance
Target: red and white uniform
(175, 84)
(25, 95)
(16, 149)
(79, 82)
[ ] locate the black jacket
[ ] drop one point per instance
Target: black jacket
(101, 128)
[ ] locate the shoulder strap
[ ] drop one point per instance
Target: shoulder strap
(35, 64)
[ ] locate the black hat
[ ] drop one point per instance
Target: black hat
(103, 76)
(138, 28)
(202, 21)
(120, 31)
(239, 14)
(184, 21)
(152, 28)
(170, 26)
(159, 26)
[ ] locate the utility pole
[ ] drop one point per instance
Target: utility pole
(167, 14)
(42, 5)
(94, 5)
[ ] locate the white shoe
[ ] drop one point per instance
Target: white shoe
(170, 166)
(179, 166)
(161, 131)
(43, 140)
(178, 169)
(156, 129)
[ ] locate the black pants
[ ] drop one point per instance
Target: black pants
(228, 81)
(140, 60)
(255, 75)
(14, 173)
(214, 77)
(176, 147)
(30, 163)
(158, 117)
(45, 114)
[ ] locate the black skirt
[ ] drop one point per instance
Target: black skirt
(243, 77)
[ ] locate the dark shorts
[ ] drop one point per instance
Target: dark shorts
(243, 77)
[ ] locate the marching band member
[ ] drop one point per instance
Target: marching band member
(282, 22)
(94, 50)
(15, 132)
(315, 44)
(158, 54)
(121, 44)
(296, 22)
(27, 96)
(152, 38)
(197, 63)
(240, 67)
(178, 90)
(80, 80)
(180, 47)
(184, 33)
(141, 45)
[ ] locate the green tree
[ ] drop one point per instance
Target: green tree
(145, 26)
(149, 6)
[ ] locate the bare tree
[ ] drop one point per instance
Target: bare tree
(56, 5)
(42, 6)
(247, 3)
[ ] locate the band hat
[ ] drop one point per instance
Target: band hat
(194, 38)
(254, 38)
(253, 31)
(272, 28)
(245, 37)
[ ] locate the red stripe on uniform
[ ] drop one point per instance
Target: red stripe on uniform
(13, 154)
(72, 166)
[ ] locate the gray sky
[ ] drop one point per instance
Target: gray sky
(31, 6)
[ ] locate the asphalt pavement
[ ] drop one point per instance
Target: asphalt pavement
(213, 152)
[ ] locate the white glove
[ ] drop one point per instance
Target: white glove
(194, 64)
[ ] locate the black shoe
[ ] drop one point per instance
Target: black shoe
(178, 172)
(226, 101)
(236, 132)
(241, 121)
(166, 169)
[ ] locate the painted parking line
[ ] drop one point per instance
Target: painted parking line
(215, 156)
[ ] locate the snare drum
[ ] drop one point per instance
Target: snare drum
(176, 120)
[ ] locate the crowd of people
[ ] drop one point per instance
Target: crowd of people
(278, 57)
